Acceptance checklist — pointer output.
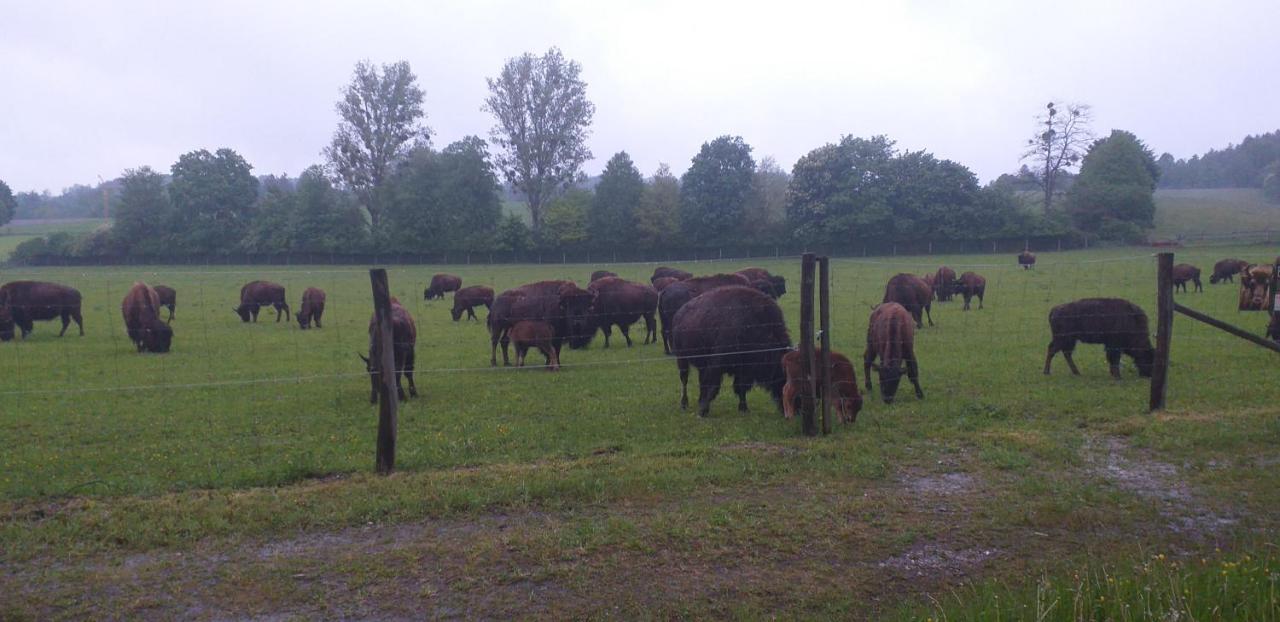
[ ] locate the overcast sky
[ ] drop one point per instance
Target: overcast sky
(93, 88)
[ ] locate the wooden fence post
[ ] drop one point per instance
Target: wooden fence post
(386, 364)
(807, 397)
(1164, 328)
(824, 325)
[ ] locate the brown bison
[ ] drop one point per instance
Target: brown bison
(600, 274)
(1184, 272)
(1227, 269)
(733, 330)
(1255, 288)
(141, 309)
(944, 283)
(664, 271)
(913, 294)
(1026, 259)
(622, 303)
(843, 380)
(441, 284)
(257, 294)
(562, 304)
(404, 342)
(662, 282)
(776, 285)
(676, 295)
(538, 335)
(1119, 325)
(972, 284)
(24, 302)
(468, 298)
(312, 308)
(891, 338)
(168, 299)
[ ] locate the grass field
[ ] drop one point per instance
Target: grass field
(1215, 212)
(229, 478)
(19, 231)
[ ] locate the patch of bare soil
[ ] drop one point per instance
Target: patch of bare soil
(938, 561)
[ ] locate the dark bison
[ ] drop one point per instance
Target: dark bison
(404, 341)
(1026, 259)
(1184, 272)
(676, 295)
(1227, 269)
(622, 303)
(141, 309)
(843, 380)
(312, 308)
(168, 299)
(257, 294)
(468, 298)
(944, 283)
(24, 302)
(733, 330)
(891, 338)
(662, 282)
(972, 284)
(538, 335)
(913, 294)
(777, 286)
(441, 284)
(562, 304)
(1119, 325)
(1255, 288)
(664, 271)
(600, 274)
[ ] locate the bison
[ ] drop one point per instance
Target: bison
(440, 284)
(468, 298)
(24, 302)
(733, 330)
(312, 308)
(1227, 269)
(168, 299)
(944, 283)
(662, 282)
(972, 284)
(913, 294)
(777, 286)
(562, 304)
(404, 341)
(1255, 288)
(891, 338)
(678, 294)
(848, 400)
(600, 274)
(663, 271)
(622, 303)
(257, 294)
(1027, 259)
(538, 335)
(141, 309)
(931, 280)
(1119, 325)
(1184, 272)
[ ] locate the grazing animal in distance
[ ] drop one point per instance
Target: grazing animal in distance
(440, 285)
(1119, 325)
(404, 342)
(972, 284)
(468, 298)
(312, 308)
(1027, 259)
(913, 294)
(1227, 269)
(1255, 288)
(141, 310)
(538, 335)
(168, 299)
(891, 338)
(676, 295)
(1184, 272)
(663, 271)
(257, 294)
(600, 274)
(562, 304)
(944, 283)
(24, 302)
(734, 330)
(844, 380)
(621, 303)
(777, 285)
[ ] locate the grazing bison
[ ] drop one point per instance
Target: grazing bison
(404, 342)
(600, 274)
(1119, 325)
(677, 295)
(944, 283)
(440, 284)
(1184, 272)
(733, 330)
(141, 309)
(1255, 288)
(24, 302)
(1227, 269)
(843, 380)
(312, 308)
(562, 304)
(662, 282)
(891, 338)
(168, 299)
(777, 286)
(664, 271)
(1026, 259)
(913, 294)
(538, 335)
(972, 284)
(257, 294)
(468, 298)
(622, 303)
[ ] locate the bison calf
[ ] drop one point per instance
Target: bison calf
(843, 380)
(972, 284)
(468, 298)
(1026, 259)
(525, 335)
(141, 309)
(891, 338)
(1184, 272)
(312, 308)
(1119, 325)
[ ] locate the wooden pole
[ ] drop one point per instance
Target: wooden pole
(807, 397)
(386, 364)
(1219, 324)
(1164, 328)
(824, 325)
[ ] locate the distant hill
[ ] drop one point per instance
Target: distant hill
(1237, 166)
(1216, 211)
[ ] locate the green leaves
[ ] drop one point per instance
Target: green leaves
(715, 189)
(1115, 192)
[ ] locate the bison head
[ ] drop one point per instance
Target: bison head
(456, 312)
(890, 376)
(158, 338)
(304, 319)
(576, 305)
(1144, 358)
(243, 312)
(848, 401)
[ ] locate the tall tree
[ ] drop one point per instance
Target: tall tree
(1060, 142)
(543, 118)
(613, 209)
(566, 222)
(841, 191)
(143, 216)
(658, 217)
(214, 196)
(715, 189)
(766, 208)
(444, 200)
(8, 204)
(1114, 194)
(381, 114)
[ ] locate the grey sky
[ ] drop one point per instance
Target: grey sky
(92, 88)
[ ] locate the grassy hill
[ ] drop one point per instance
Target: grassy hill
(1214, 212)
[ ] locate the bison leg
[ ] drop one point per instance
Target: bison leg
(521, 350)
(709, 381)
(869, 357)
(789, 395)
(170, 314)
(913, 374)
(553, 359)
(66, 321)
(607, 329)
(1048, 360)
(409, 364)
(967, 296)
(927, 310)
(471, 314)
(493, 347)
(316, 318)
(1113, 361)
(1071, 362)
(506, 342)
(980, 296)
(626, 334)
(683, 365)
(741, 385)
